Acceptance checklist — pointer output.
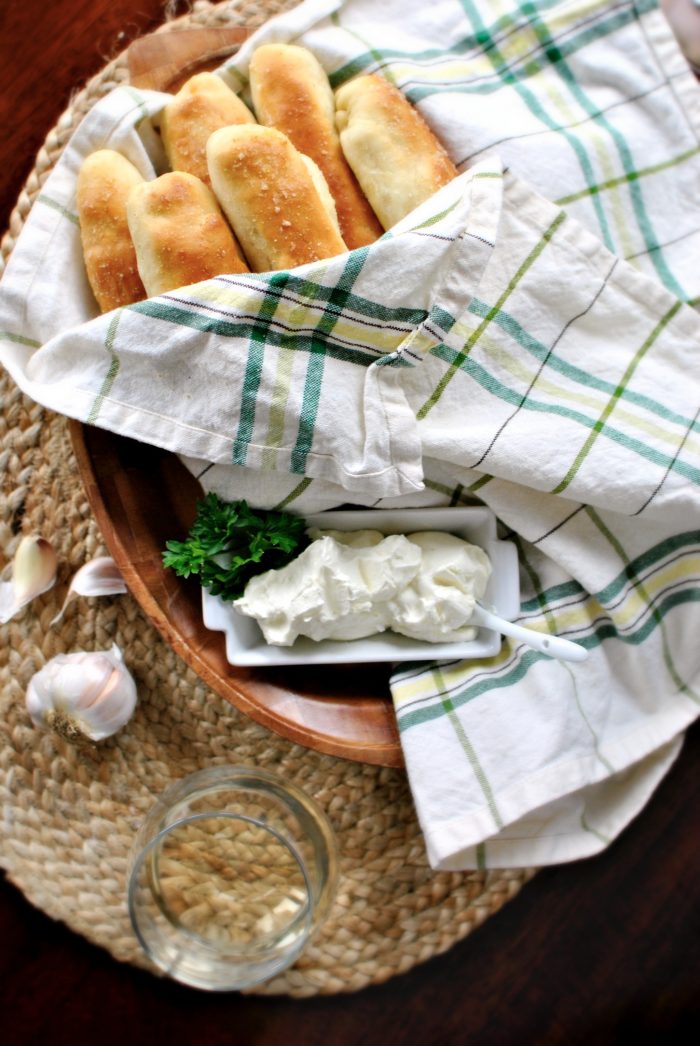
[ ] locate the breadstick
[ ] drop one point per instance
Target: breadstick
(291, 92)
(268, 195)
(396, 158)
(179, 233)
(202, 105)
(105, 180)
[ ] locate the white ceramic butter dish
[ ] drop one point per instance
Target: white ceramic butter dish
(245, 645)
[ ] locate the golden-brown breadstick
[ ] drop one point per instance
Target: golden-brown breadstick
(105, 180)
(202, 105)
(396, 158)
(291, 91)
(179, 233)
(321, 187)
(268, 195)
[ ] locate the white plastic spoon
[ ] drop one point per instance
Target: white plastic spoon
(553, 646)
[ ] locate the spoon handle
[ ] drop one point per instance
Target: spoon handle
(553, 646)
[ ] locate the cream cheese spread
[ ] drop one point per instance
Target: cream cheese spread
(351, 584)
(437, 605)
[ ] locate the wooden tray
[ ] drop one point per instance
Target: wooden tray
(163, 61)
(141, 497)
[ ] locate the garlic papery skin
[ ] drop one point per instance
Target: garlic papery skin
(33, 571)
(98, 577)
(83, 696)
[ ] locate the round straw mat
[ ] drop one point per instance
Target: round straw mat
(70, 817)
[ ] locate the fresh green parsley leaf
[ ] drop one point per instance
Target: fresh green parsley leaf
(229, 543)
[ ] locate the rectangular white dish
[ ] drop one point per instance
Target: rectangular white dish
(245, 645)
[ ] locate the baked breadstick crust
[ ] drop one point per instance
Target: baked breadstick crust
(202, 105)
(396, 158)
(321, 186)
(267, 193)
(105, 181)
(291, 92)
(179, 233)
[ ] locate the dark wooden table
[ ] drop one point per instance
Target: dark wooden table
(600, 951)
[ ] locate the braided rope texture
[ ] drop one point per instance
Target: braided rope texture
(70, 817)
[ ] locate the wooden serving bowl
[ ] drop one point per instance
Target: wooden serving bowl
(143, 496)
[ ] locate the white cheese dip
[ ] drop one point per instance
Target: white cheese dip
(332, 590)
(352, 584)
(437, 605)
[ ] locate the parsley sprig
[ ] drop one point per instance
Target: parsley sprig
(229, 543)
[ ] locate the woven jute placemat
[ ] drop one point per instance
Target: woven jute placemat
(69, 817)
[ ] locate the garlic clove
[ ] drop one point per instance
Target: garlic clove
(99, 577)
(83, 696)
(684, 18)
(8, 607)
(33, 568)
(33, 572)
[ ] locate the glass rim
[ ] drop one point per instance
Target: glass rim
(214, 777)
(219, 951)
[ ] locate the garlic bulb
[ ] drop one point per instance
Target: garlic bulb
(33, 572)
(83, 696)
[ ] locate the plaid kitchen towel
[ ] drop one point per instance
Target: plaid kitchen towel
(590, 101)
(524, 337)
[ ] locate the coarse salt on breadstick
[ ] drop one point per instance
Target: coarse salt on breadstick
(104, 182)
(180, 234)
(291, 92)
(202, 105)
(268, 195)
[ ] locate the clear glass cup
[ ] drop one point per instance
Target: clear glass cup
(232, 872)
